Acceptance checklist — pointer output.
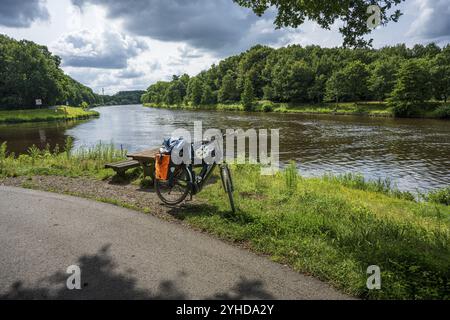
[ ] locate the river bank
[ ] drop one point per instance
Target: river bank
(370, 109)
(43, 115)
(330, 227)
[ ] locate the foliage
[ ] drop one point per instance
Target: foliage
(412, 88)
(442, 112)
(248, 95)
(441, 196)
(326, 13)
(311, 75)
(122, 98)
(29, 72)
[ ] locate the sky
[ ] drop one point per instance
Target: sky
(130, 44)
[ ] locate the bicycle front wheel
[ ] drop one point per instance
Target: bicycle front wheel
(173, 193)
(228, 185)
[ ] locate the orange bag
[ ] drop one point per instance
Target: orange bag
(162, 165)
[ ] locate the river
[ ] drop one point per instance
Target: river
(414, 153)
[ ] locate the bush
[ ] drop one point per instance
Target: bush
(268, 107)
(441, 196)
(443, 112)
(404, 108)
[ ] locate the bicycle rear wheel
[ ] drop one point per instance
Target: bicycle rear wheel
(228, 185)
(174, 193)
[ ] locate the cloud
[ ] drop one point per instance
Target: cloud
(433, 22)
(220, 26)
(21, 14)
(105, 50)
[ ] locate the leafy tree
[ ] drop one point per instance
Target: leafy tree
(336, 88)
(195, 91)
(382, 78)
(412, 88)
(208, 95)
(316, 92)
(325, 13)
(29, 71)
(291, 80)
(248, 94)
(228, 91)
(175, 92)
(440, 73)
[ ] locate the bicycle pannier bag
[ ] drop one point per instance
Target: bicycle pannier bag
(162, 165)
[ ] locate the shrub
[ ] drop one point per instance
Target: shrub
(443, 112)
(441, 196)
(268, 107)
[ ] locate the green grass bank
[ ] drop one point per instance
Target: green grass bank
(371, 109)
(333, 228)
(41, 115)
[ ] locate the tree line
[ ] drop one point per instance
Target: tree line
(29, 71)
(406, 78)
(122, 98)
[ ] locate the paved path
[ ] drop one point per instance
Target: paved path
(125, 254)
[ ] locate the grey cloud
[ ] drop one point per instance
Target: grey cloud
(433, 21)
(220, 26)
(20, 14)
(108, 50)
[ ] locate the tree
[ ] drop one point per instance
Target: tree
(326, 13)
(356, 76)
(382, 78)
(195, 91)
(440, 73)
(248, 95)
(228, 91)
(412, 88)
(175, 93)
(208, 95)
(349, 83)
(335, 87)
(316, 92)
(291, 80)
(29, 71)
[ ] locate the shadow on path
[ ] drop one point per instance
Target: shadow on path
(101, 280)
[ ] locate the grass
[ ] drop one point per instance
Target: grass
(85, 162)
(330, 227)
(372, 109)
(361, 108)
(40, 115)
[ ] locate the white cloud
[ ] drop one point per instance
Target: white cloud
(106, 50)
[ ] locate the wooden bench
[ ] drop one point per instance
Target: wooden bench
(121, 167)
(144, 159)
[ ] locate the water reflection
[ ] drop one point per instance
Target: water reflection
(22, 136)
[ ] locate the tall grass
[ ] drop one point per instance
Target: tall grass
(85, 161)
(357, 181)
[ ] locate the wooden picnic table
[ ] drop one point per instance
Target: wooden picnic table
(146, 158)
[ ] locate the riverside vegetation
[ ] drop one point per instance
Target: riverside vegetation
(39, 115)
(332, 227)
(403, 82)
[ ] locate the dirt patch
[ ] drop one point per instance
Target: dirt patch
(124, 194)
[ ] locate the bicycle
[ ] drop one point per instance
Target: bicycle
(185, 181)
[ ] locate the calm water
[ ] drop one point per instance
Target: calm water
(414, 153)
